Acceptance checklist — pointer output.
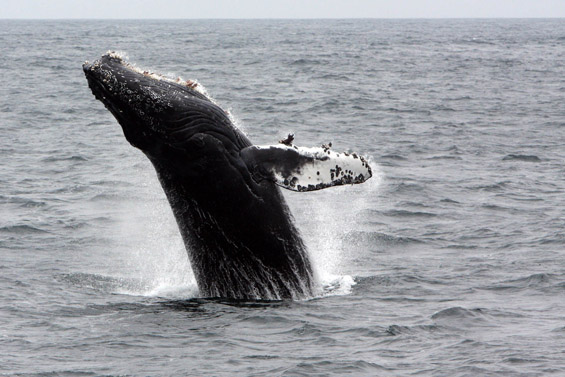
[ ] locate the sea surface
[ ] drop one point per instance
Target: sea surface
(450, 261)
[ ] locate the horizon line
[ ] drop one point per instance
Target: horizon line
(277, 18)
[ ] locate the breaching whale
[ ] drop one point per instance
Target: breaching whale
(223, 190)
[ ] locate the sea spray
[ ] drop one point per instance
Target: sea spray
(325, 218)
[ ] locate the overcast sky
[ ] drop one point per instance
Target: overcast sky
(280, 8)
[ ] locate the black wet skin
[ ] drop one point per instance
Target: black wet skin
(238, 231)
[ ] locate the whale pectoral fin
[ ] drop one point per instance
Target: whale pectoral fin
(305, 169)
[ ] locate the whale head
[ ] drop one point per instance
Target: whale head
(159, 115)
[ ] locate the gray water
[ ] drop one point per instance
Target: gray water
(448, 262)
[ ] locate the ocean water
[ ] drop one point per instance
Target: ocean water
(450, 261)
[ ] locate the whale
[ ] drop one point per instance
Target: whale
(224, 191)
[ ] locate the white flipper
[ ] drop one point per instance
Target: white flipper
(305, 169)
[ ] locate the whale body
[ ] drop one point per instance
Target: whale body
(223, 190)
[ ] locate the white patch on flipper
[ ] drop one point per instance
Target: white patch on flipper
(318, 168)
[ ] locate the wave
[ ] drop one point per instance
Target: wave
(333, 76)
(335, 285)
(447, 200)
(406, 213)
(495, 207)
(132, 286)
(444, 157)
(558, 239)
(107, 196)
(253, 62)
(21, 229)
(64, 158)
(494, 187)
(301, 62)
(443, 108)
(462, 318)
(195, 305)
(457, 312)
(379, 238)
(394, 157)
(330, 285)
(408, 111)
(395, 280)
(407, 188)
(460, 98)
(521, 157)
(80, 372)
(474, 40)
(395, 330)
(22, 201)
(539, 281)
(339, 367)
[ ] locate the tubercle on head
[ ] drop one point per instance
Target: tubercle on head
(121, 58)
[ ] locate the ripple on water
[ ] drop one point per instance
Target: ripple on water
(397, 330)
(462, 318)
(545, 282)
(521, 157)
(21, 229)
(64, 158)
(407, 213)
(368, 237)
(393, 156)
(146, 287)
(315, 367)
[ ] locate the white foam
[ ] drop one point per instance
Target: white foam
(335, 285)
(162, 290)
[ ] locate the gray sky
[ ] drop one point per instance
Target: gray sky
(280, 8)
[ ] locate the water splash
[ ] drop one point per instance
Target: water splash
(153, 251)
(153, 262)
(325, 218)
(159, 257)
(145, 245)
